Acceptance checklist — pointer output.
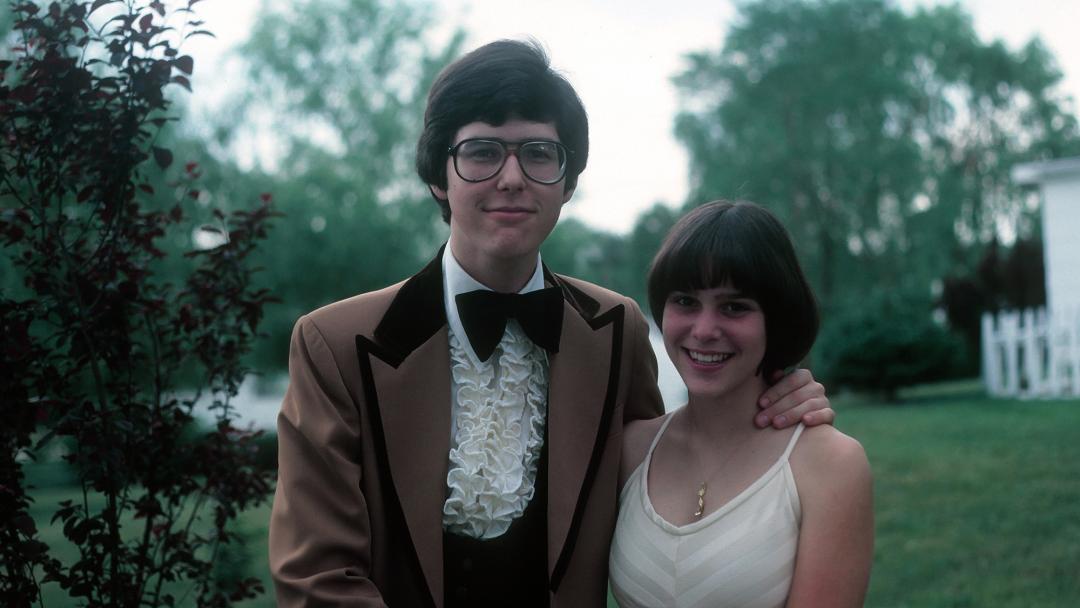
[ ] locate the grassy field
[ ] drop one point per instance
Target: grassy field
(977, 501)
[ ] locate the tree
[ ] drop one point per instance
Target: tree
(882, 139)
(1012, 279)
(93, 341)
(642, 243)
(887, 341)
(335, 96)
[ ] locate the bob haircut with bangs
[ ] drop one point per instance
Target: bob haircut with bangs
(742, 245)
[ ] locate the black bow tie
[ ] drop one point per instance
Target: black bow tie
(484, 313)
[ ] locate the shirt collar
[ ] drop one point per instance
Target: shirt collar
(456, 281)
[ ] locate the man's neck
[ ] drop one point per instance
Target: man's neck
(508, 275)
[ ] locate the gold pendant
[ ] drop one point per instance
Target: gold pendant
(700, 501)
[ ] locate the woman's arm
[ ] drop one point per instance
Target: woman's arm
(836, 537)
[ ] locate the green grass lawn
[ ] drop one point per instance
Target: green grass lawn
(977, 501)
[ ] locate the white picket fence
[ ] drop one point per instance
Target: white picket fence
(1032, 354)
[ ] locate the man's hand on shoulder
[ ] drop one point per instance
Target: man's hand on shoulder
(793, 397)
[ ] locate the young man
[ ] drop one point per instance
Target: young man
(453, 440)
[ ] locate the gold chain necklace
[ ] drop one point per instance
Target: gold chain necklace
(704, 487)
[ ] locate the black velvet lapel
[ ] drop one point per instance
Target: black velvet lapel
(579, 300)
(416, 313)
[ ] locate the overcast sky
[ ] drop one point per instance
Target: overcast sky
(620, 56)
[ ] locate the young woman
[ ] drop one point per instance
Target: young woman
(713, 511)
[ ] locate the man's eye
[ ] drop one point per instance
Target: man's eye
(541, 153)
(482, 153)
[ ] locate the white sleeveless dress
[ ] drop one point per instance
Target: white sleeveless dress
(742, 554)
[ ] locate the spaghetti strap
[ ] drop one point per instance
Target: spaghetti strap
(791, 442)
(660, 433)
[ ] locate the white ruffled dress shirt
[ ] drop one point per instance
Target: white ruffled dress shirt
(497, 416)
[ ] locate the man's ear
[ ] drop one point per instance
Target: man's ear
(567, 193)
(438, 193)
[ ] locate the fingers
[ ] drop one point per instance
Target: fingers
(795, 396)
(793, 406)
(826, 415)
(786, 384)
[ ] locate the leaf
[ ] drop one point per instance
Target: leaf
(146, 21)
(163, 157)
(85, 193)
(200, 33)
(182, 81)
(159, 7)
(185, 64)
(100, 3)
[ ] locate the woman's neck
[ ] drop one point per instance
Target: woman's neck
(727, 416)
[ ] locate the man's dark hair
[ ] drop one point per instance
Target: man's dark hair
(742, 245)
(500, 81)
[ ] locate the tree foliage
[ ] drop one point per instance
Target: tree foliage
(886, 341)
(883, 139)
(93, 340)
(335, 98)
(1005, 278)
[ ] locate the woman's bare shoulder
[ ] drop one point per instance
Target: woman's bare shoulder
(637, 436)
(826, 458)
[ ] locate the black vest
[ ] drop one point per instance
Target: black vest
(510, 570)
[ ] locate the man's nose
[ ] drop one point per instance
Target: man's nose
(511, 177)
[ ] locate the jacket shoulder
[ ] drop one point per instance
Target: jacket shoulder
(605, 297)
(359, 314)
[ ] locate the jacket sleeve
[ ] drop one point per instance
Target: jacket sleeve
(643, 399)
(320, 549)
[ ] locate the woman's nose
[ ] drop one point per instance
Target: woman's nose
(707, 326)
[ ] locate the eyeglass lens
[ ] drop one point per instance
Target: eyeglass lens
(480, 159)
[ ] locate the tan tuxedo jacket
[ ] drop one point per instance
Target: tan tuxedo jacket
(364, 438)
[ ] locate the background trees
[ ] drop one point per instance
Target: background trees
(882, 139)
(334, 95)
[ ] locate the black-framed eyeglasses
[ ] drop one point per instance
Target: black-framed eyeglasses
(476, 160)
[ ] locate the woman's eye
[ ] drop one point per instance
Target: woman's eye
(681, 300)
(737, 307)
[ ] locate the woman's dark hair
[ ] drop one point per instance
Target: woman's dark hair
(500, 81)
(742, 245)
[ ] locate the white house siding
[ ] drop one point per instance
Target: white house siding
(1061, 241)
(1036, 353)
